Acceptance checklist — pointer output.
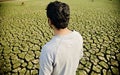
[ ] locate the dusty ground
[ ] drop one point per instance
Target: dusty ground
(24, 30)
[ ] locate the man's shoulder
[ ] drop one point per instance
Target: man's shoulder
(51, 45)
(79, 35)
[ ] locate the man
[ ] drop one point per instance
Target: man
(60, 56)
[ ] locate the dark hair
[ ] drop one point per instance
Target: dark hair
(59, 14)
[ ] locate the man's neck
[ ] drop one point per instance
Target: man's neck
(61, 32)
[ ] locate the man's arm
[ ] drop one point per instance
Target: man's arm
(46, 60)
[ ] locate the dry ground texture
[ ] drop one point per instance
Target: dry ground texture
(24, 30)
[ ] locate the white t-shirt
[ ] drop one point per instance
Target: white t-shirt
(61, 55)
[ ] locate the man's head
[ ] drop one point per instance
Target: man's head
(58, 14)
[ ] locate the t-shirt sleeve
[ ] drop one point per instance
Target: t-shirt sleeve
(81, 41)
(81, 55)
(46, 60)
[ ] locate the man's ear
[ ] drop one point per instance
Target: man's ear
(50, 23)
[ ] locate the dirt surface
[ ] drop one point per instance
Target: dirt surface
(24, 30)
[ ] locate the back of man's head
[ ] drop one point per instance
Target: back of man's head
(59, 14)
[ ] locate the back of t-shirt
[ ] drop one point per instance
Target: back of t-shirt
(69, 51)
